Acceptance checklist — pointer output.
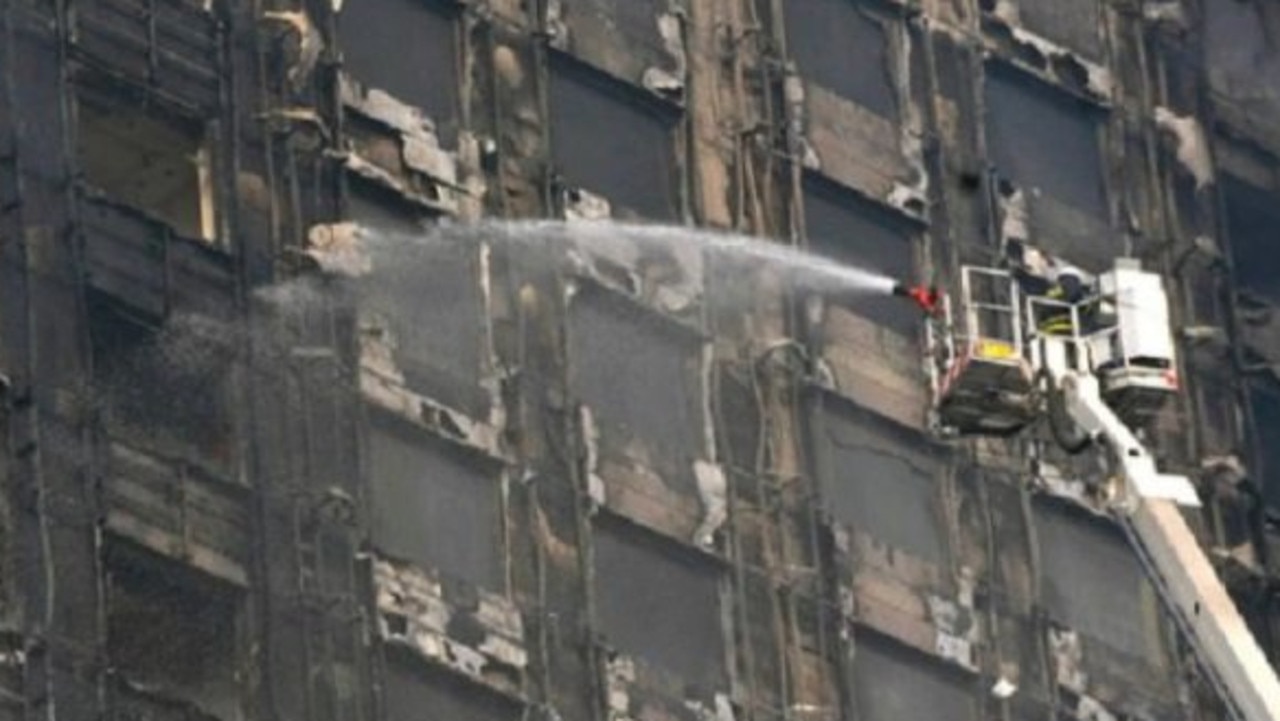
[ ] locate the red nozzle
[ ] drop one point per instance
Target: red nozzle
(927, 297)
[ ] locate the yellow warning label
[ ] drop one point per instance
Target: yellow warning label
(994, 350)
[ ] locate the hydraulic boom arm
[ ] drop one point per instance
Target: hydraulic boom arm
(1175, 561)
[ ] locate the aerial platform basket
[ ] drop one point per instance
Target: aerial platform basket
(982, 381)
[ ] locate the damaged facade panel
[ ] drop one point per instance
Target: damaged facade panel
(1076, 25)
(434, 506)
(661, 604)
(639, 376)
(175, 511)
(1242, 57)
(172, 635)
(425, 306)
(427, 620)
(855, 231)
(891, 683)
(164, 387)
(410, 49)
(879, 480)
(1047, 151)
(842, 46)
(414, 691)
(597, 123)
(174, 44)
(1085, 568)
(637, 41)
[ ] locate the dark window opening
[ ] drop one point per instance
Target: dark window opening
(637, 372)
(612, 141)
(157, 163)
(877, 479)
(426, 290)
(1044, 140)
(416, 691)
(843, 48)
(163, 385)
(1264, 403)
(892, 683)
(409, 48)
(660, 603)
(1253, 229)
(852, 230)
(434, 505)
(172, 631)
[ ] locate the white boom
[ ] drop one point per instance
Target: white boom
(1103, 364)
(1175, 562)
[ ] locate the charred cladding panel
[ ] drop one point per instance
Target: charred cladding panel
(613, 141)
(842, 47)
(1253, 228)
(408, 48)
(1074, 24)
(435, 506)
(660, 603)
(172, 630)
(856, 232)
(895, 684)
(1092, 582)
(1041, 139)
(426, 297)
(878, 480)
(415, 691)
(164, 387)
(636, 371)
(1241, 52)
(1048, 145)
(636, 18)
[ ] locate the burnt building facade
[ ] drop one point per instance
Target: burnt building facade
(597, 476)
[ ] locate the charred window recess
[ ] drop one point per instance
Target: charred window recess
(1253, 227)
(842, 47)
(855, 231)
(613, 141)
(660, 603)
(150, 160)
(415, 690)
(878, 479)
(162, 387)
(1085, 566)
(892, 683)
(1264, 402)
(1047, 144)
(409, 48)
(637, 372)
(428, 295)
(171, 635)
(1074, 25)
(435, 505)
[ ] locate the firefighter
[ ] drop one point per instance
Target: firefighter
(1040, 274)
